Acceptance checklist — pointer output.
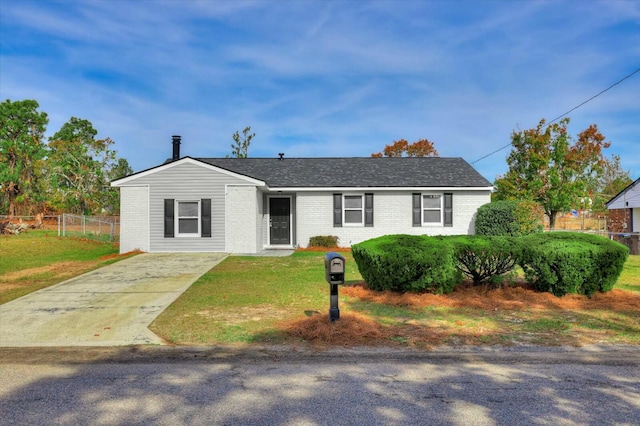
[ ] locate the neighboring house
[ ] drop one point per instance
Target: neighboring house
(247, 205)
(624, 216)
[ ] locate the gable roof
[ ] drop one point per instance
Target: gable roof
(355, 172)
(622, 200)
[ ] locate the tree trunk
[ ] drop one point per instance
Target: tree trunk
(552, 219)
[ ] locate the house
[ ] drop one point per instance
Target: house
(247, 205)
(624, 216)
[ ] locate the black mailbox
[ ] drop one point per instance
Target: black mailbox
(334, 274)
(334, 268)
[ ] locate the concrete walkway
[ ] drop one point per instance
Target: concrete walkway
(111, 306)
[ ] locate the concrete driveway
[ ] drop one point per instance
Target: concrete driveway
(111, 306)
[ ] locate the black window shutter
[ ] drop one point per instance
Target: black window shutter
(368, 209)
(337, 210)
(169, 227)
(448, 209)
(417, 206)
(205, 217)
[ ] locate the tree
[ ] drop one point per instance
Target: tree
(544, 166)
(77, 165)
(111, 200)
(420, 148)
(612, 180)
(240, 146)
(22, 128)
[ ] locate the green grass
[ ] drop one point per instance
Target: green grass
(246, 296)
(252, 299)
(38, 259)
(248, 299)
(630, 278)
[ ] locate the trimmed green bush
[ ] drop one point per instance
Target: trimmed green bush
(323, 241)
(569, 262)
(407, 263)
(509, 218)
(486, 258)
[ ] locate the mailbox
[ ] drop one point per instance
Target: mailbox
(334, 268)
(334, 274)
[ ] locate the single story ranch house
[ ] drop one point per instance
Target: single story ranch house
(248, 205)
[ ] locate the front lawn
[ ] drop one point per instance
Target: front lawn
(278, 300)
(38, 259)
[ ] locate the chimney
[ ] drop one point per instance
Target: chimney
(176, 147)
(281, 155)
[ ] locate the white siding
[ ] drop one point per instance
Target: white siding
(392, 214)
(187, 182)
(241, 219)
(628, 199)
(635, 219)
(134, 218)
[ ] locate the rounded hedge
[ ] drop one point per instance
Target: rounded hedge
(569, 262)
(407, 263)
(509, 218)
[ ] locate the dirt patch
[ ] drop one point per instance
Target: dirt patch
(516, 297)
(120, 256)
(245, 314)
(59, 271)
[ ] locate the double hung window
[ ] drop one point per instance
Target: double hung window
(431, 209)
(188, 218)
(353, 210)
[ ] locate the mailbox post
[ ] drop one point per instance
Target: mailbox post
(334, 274)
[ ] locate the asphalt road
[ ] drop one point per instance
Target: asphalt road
(287, 387)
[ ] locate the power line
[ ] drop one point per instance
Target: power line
(566, 113)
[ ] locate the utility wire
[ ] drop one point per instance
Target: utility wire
(566, 113)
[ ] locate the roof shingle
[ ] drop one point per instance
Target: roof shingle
(355, 172)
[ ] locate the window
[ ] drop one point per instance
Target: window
(193, 218)
(353, 213)
(352, 210)
(188, 217)
(431, 209)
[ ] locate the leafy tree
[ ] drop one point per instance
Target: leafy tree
(399, 148)
(78, 165)
(111, 200)
(544, 166)
(240, 146)
(612, 180)
(22, 128)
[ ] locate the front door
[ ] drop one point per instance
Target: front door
(280, 221)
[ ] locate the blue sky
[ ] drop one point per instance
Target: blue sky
(326, 78)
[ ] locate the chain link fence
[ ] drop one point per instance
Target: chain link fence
(100, 228)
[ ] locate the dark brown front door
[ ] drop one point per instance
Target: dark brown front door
(280, 221)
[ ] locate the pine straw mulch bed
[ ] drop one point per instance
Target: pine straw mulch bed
(478, 316)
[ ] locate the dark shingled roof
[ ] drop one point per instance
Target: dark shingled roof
(355, 172)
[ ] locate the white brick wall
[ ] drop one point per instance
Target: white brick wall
(392, 214)
(241, 218)
(134, 218)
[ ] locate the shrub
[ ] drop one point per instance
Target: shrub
(407, 263)
(567, 262)
(509, 218)
(486, 258)
(323, 241)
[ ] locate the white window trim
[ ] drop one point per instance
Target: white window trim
(178, 217)
(423, 208)
(344, 210)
